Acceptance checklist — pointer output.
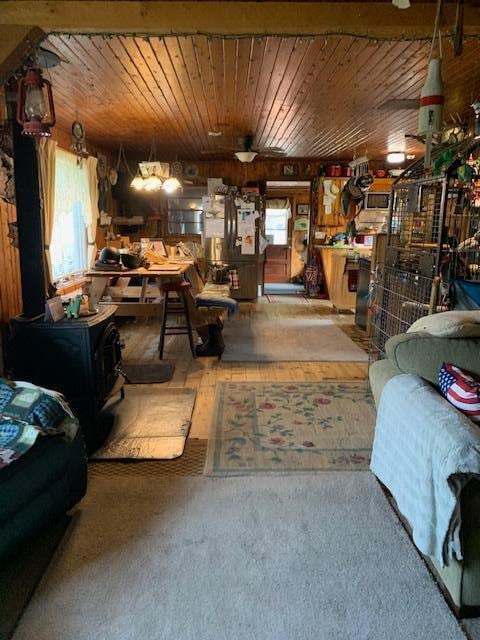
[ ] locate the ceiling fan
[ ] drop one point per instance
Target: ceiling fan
(246, 151)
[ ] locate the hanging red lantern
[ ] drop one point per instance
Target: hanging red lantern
(33, 94)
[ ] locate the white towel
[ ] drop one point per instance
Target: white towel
(425, 452)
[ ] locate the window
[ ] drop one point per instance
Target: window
(68, 248)
(276, 225)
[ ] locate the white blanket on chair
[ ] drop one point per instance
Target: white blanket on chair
(425, 452)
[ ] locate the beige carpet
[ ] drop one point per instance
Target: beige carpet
(294, 339)
(264, 427)
(151, 422)
(299, 557)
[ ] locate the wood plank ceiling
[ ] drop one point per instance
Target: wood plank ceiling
(313, 97)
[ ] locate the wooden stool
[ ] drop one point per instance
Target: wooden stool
(180, 288)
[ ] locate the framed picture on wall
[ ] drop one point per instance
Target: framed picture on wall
(290, 169)
(306, 169)
(303, 209)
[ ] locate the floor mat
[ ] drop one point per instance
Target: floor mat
(294, 339)
(190, 463)
(151, 422)
(290, 426)
(287, 299)
(148, 372)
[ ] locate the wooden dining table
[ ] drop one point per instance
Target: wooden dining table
(143, 297)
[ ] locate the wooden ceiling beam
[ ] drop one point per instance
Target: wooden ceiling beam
(16, 43)
(234, 18)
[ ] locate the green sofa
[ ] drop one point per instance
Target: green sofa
(423, 354)
(38, 488)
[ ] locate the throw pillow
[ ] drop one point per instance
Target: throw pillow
(449, 324)
(460, 389)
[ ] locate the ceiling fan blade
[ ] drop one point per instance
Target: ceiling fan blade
(269, 149)
(270, 152)
(218, 150)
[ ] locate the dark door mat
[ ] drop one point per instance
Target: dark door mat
(190, 463)
(148, 372)
(21, 575)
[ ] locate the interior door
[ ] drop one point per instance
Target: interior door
(277, 266)
(278, 254)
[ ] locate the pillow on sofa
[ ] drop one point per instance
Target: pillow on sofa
(460, 389)
(449, 324)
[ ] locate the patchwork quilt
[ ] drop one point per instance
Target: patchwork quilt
(27, 412)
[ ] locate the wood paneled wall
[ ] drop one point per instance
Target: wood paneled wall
(10, 287)
(235, 172)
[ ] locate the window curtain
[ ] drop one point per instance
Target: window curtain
(46, 168)
(71, 185)
(278, 203)
(72, 195)
(91, 219)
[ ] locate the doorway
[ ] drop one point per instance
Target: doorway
(278, 252)
(287, 223)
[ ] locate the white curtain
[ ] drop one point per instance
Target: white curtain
(278, 203)
(91, 220)
(47, 149)
(72, 198)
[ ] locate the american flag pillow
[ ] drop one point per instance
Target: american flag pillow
(461, 389)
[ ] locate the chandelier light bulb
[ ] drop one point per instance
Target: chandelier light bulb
(137, 183)
(152, 183)
(171, 184)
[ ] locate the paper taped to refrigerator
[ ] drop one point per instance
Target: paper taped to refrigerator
(248, 245)
(214, 227)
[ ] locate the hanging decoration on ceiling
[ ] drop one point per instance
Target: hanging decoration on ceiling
(33, 95)
(353, 194)
(7, 183)
(431, 100)
(103, 183)
(153, 175)
(359, 165)
(431, 96)
(176, 169)
(458, 35)
(455, 131)
(79, 146)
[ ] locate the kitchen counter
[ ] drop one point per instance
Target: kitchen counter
(335, 271)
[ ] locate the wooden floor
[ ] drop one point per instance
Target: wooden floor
(141, 343)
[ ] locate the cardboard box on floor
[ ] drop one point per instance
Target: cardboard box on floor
(119, 243)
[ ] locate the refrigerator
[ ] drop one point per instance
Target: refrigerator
(233, 231)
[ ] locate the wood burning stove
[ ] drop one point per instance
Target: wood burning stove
(81, 358)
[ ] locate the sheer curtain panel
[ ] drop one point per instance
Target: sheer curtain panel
(46, 167)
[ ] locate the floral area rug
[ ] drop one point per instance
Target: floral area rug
(290, 426)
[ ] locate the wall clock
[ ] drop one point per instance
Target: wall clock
(79, 146)
(191, 171)
(78, 132)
